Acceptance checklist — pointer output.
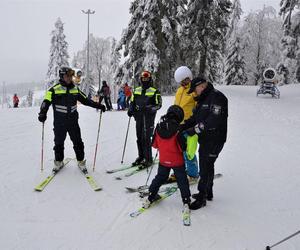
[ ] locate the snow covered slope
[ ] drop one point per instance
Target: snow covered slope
(256, 202)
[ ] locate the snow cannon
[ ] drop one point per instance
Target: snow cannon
(77, 76)
(268, 84)
(270, 75)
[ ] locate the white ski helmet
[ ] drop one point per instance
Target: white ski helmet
(182, 73)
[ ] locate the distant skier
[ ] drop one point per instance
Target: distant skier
(170, 144)
(105, 93)
(145, 102)
(64, 96)
(16, 101)
(121, 102)
(209, 122)
(127, 91)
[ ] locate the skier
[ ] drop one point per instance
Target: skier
(145, 102)
(170, 144)
(209, 122)
(64, 96)
(128, 93)
(15, 101)
(105, 93)
(183, 75)
(121, 99)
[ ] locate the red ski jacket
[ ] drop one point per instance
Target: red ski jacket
(170, 152)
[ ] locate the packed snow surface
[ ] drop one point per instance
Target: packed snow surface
(256, 202)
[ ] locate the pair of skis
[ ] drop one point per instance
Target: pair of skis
(91, 181)
(133, 170)
(165, 193)
(144, 188)
(186, 218)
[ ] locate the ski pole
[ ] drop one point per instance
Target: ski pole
(125, 140)
(151, 168)
(285, 239)
(42, 151)
(146, 144)
(100, 117)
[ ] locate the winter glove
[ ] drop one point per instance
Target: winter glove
(191, 131)
(101, 107)
(197, 129)
(42, 117)
(130, 113)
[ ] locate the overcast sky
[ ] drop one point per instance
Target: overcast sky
(26, 25)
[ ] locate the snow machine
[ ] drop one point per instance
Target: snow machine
(268, 85)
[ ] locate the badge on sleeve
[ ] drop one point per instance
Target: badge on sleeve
(216, 109)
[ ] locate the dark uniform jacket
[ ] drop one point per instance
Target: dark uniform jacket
(145, 101)
(64, 101)
(210, 114)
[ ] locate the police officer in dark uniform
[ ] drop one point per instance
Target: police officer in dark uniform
(64, 96)
(144, 103)
(209, 122)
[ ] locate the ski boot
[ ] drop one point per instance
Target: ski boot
(150, 199)
(145, 164)
(199, 202)
(137, 162)
(58, 165)
(82, 166)
(209, 195)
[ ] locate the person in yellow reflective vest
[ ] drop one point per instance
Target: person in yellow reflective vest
(64, 96)
(144, 103)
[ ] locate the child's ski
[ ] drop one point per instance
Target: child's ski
(163, 196)
(186, 215)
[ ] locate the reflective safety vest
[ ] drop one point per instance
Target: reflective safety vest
(64, 99)
(149, 93)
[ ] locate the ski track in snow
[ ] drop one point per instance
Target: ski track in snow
(256, 201)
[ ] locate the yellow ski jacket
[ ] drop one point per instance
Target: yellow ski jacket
(185, 101)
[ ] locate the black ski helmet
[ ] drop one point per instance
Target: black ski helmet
(65, 70)
(175, 112)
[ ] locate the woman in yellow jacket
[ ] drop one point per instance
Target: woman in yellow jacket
(183, 75)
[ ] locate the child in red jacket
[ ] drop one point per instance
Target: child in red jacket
(170, 144)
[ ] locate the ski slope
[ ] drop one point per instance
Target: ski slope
(256, 202)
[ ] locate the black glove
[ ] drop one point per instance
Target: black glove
(191, 131)
(130, 113)
(42, 117)
(101, 107)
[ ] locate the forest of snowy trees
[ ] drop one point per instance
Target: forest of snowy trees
(214, 38)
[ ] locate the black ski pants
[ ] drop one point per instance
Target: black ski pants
(144, 133)
(208, 154)
(60, 132)
(181, 178)
(107, 102)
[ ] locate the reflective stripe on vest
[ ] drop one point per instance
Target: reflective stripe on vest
(59, 89)
(48, 96)
(149, 92)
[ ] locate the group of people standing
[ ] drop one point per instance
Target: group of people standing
(199, 111)
(124, 94)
